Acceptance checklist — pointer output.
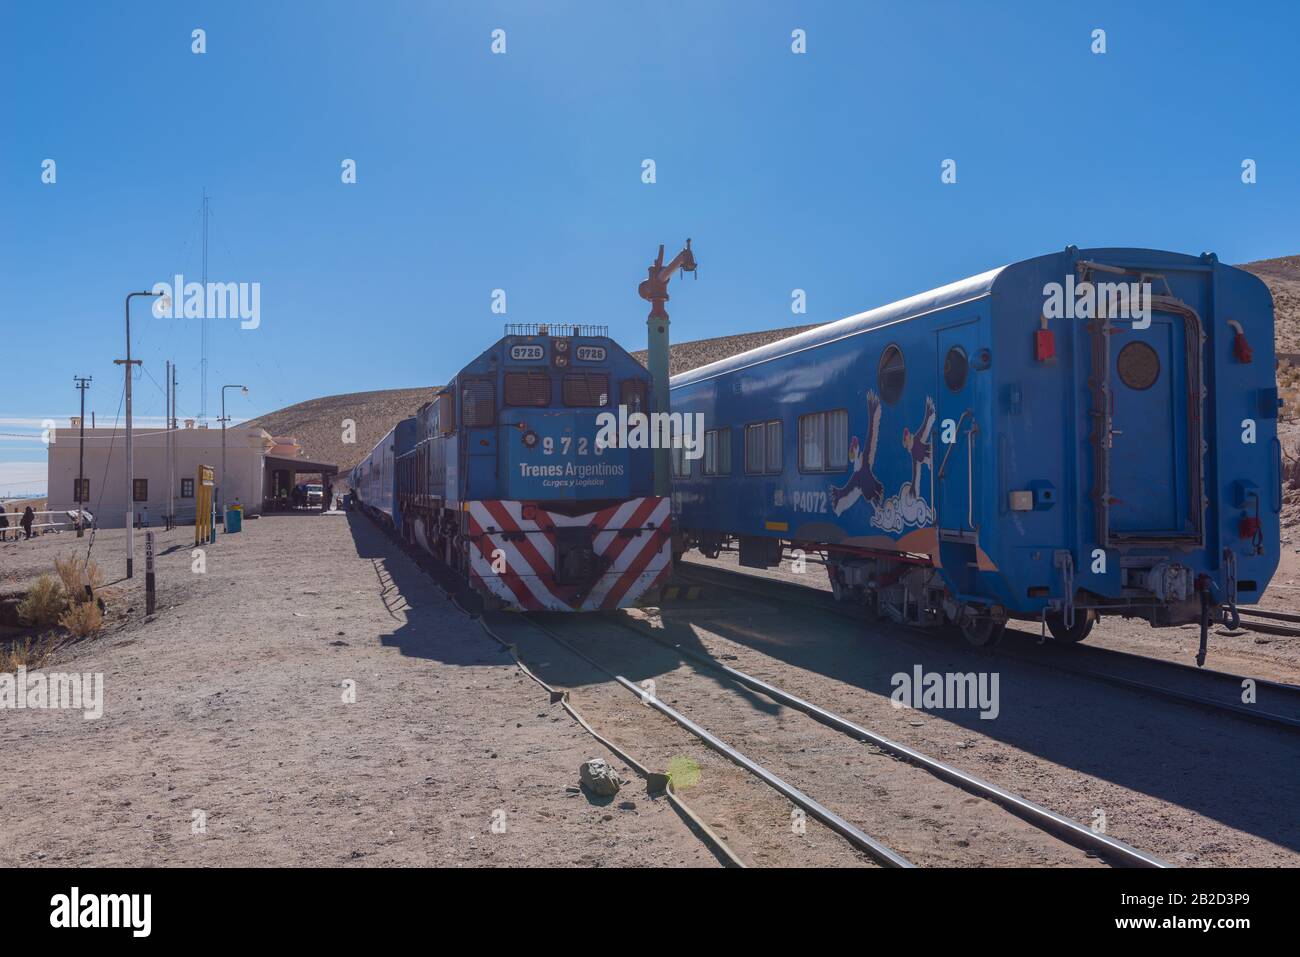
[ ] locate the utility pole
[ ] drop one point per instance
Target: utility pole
(130, 454)
(83, 383)
(221, 489)
(167, 445)
(171, 424)
(655, 290)
(203, 322)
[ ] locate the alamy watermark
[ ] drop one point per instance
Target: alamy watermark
(933, 690)
(54, 690)
(1094, 300)
(654, 430)
(129, 911)
(219, 300)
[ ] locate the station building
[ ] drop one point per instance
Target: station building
(257, 466)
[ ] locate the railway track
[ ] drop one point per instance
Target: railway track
(1266, 622)
(1277, 704)
(1111, 850)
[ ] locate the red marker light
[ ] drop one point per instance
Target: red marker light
(1241, 348)
(1044, 344)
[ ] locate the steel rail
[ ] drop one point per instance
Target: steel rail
(1275, 615)
(656, 782)
(828, 604)
(1266, 627)
(1072, 832)
(1097, 651)
(860, 839)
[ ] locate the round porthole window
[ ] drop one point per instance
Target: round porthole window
(955, 369)
(891, 375)
(1139, 365)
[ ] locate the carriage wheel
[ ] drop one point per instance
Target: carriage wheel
(1083, 622)
(981, 632)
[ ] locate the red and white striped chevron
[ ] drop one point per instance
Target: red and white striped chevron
(637, 562)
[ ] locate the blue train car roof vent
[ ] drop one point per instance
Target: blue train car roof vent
(558, 329)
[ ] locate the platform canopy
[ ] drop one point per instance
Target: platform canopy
(300, 466)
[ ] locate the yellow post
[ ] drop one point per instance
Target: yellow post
(203, 505)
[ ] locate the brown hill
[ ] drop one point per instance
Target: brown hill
(684, 356)
(1282, 276)
(318, 423)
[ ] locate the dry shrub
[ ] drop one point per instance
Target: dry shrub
(29, 653)
(70, 569)
(83, 618)
(43, 604)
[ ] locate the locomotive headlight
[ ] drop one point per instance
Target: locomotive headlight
(530, 439)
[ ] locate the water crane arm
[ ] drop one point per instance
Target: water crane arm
(655, 287)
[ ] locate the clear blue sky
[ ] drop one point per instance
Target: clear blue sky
(523, 171)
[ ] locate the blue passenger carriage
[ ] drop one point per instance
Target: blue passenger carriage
(1031, 442)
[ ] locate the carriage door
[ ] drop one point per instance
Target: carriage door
(1150, 494)
(954, 442)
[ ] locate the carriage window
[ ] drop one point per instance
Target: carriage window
(633, 395)
(446, 413)
(681, 464)
(81, 494)
(140, 490)
(955, 368)
(763, 448)
(717, 452)
(477, 403)
(824, 441)
(754, 448)
(837, 439)
(812, 442)
(528, 388)
(586, 389)
(187, 488)
(774, 463)
(891, 375)
(1139, 366)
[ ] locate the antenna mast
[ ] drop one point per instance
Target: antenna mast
(203, 321)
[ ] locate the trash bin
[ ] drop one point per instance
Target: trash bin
(234, 519)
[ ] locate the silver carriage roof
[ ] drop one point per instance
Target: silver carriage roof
(964, 290)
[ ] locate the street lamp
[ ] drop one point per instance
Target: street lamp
(130, 460)
(221, 499)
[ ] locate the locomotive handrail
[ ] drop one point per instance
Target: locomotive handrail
(970, 464)
(952, 445)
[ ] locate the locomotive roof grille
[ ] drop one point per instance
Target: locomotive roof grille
(557, 330)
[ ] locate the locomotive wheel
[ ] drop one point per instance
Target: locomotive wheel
(1083, 622)
(981, 632)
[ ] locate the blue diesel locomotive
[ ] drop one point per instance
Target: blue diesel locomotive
(1083, 433)
(501, 478)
